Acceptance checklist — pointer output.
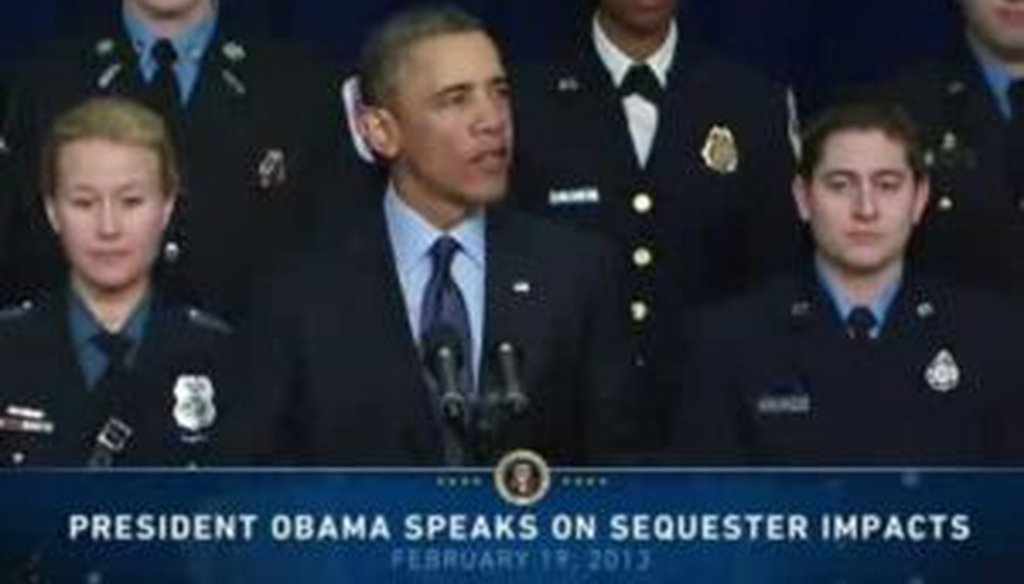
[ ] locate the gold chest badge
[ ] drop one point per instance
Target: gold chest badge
(720, 152)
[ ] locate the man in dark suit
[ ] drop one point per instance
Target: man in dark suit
(109, 369)
(863, 360)
(970, 108)
(257, 123)
(682, 158)
(392, 344)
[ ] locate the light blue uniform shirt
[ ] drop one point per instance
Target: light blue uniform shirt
(190, 46)
(879, 307)
(84, 327)
(997, 77)
(412, 237)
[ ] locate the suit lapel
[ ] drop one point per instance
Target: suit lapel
(971, 133)
(499, 297)
(923, 326)
(985, 126)
(72, 404)
(160, 355)
(678, 110)
(598, 100)
(371, 250)
(515, 313)
(152, 336)
(68, 375)
(222, 98)
(981, 104)
(379, 291)
(815, 329)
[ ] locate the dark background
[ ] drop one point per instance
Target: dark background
(818, 46)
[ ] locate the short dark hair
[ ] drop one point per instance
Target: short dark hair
(874, 114)
(383, 53)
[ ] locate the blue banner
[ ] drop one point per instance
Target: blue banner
(470, 526)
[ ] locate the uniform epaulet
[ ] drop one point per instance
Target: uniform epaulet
(17, 311)
(207, 320)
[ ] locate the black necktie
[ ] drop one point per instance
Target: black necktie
(104, 438)
(164, 93)
(443, 305)
(115, 347)
(1015, 141)
(859, 323)
(640, 80)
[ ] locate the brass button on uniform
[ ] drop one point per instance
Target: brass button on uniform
(642, 257)
(642, 203)
(639, 310)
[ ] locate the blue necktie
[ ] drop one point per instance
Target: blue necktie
(443, 305)
(115, 347)
(860, 322)
(164, 92)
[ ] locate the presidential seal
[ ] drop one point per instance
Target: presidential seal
(194, 409)
(522, 478)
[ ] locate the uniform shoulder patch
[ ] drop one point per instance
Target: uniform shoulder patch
(16, 311)
(208, 320)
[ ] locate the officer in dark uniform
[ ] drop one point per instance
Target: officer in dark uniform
(109, 369)
(863, 360)
(680, 157)
(970, 108)
(257, 125)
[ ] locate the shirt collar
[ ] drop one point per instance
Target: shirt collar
(996, 75)
(618, 62)
(190, 45)
(412, 235)
(84, 325)
(879, 307)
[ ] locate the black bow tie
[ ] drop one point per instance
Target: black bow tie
(641, 80)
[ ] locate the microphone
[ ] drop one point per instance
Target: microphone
(509, 359)
(442, 355)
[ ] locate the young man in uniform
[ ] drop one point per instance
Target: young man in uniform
(863, 360)
(970, 108)
(256, 124)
